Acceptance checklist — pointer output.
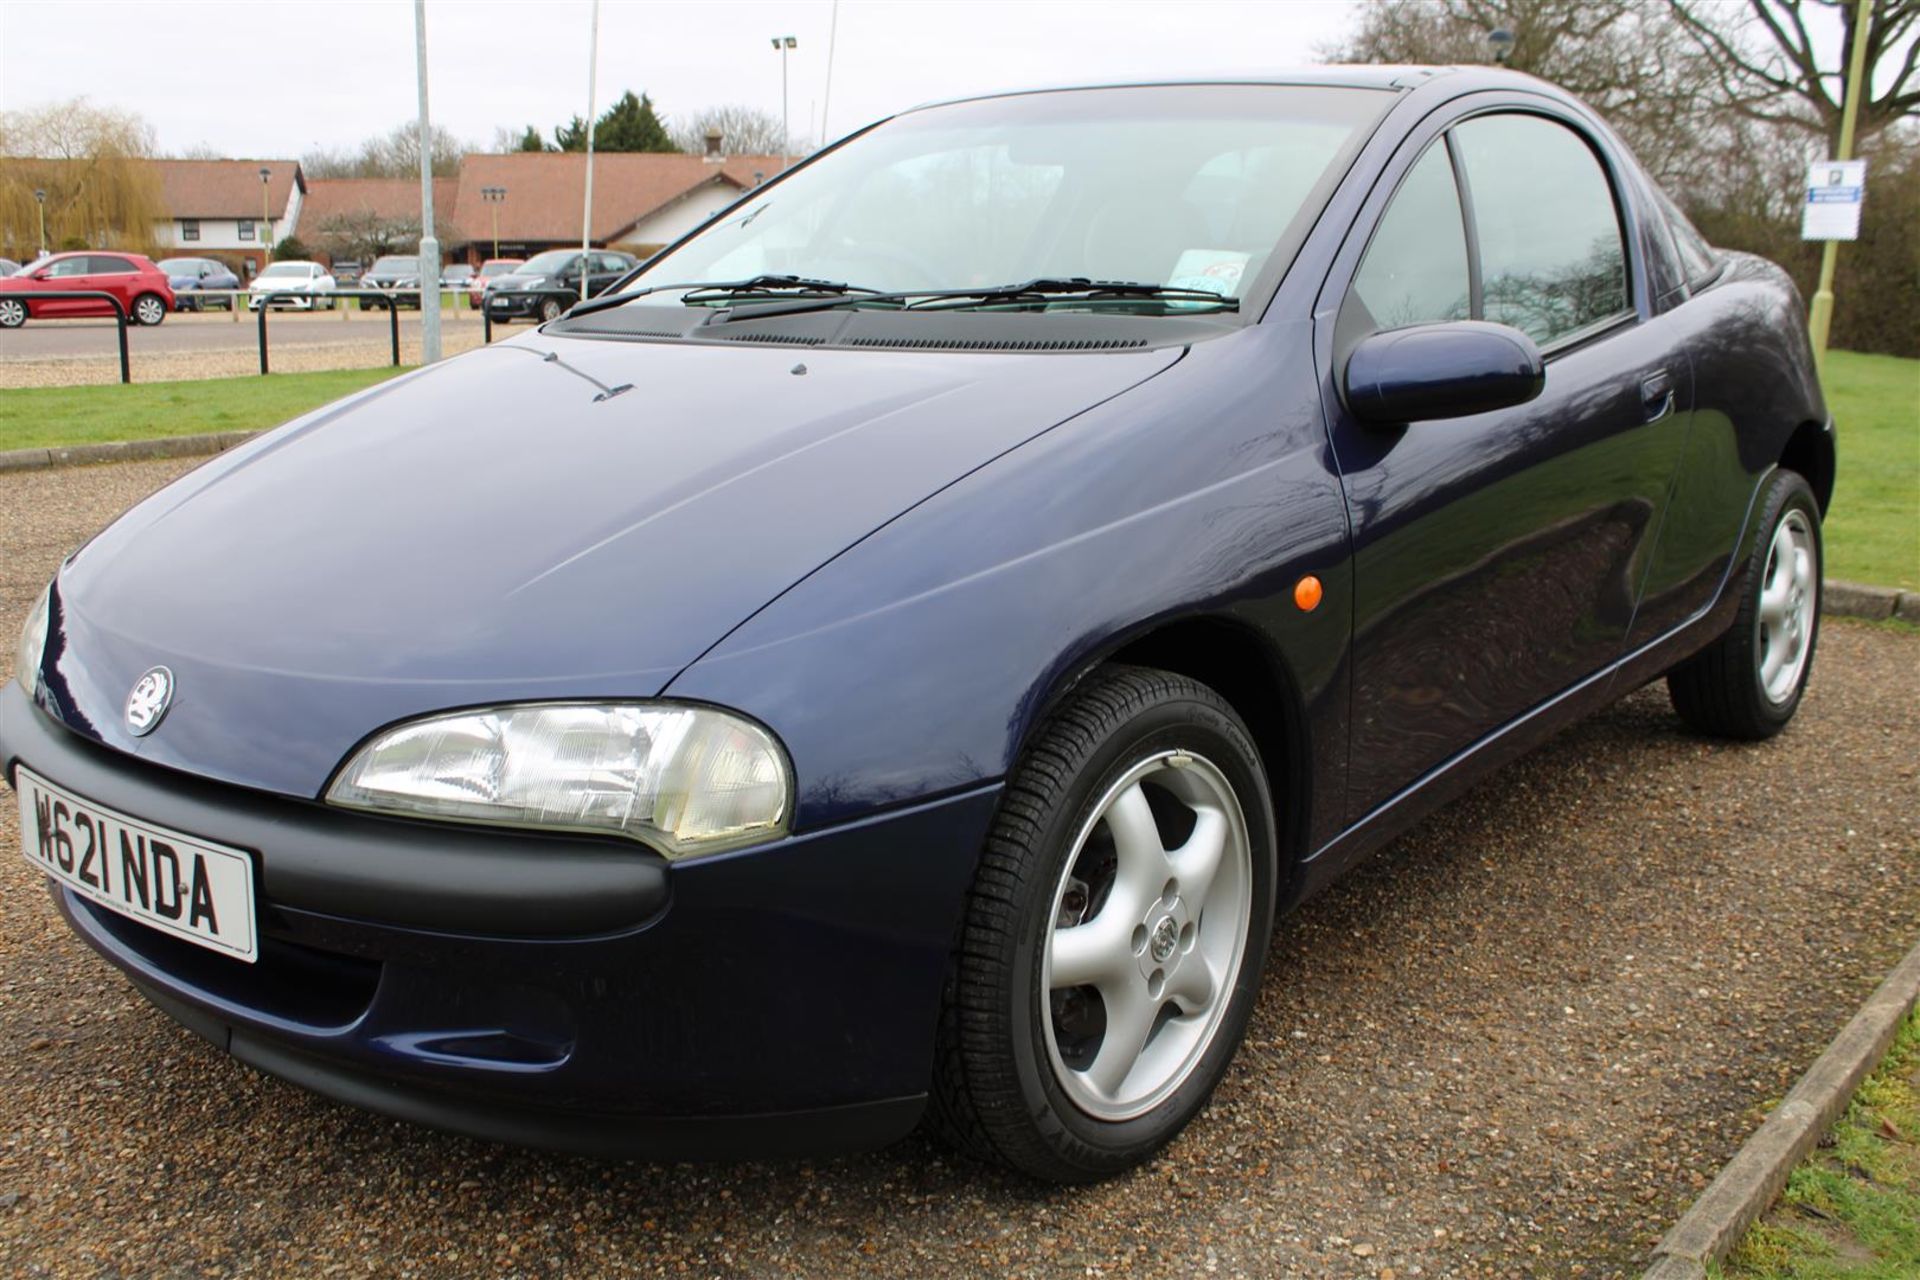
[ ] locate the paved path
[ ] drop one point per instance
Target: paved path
(1518, 1042)
(40, 340)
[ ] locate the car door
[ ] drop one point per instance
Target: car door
(115, 275)
(1498, 557)
(61, 274)
(607, 267)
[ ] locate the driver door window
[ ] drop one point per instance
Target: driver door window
(1415, 270)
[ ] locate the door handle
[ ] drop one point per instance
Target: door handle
(1656, 394)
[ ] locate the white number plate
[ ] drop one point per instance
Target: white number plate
(179, 884)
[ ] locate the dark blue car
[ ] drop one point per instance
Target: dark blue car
(894, 659)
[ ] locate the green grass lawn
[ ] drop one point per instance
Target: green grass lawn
(1851, 1211)
(37, 416)
(1873, 533)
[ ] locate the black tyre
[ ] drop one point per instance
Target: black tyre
(13, 313)
(550, 310)
(1115, 933)
(1748, 683)
(148, 309)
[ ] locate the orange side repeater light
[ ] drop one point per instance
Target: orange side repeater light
(1307, 593)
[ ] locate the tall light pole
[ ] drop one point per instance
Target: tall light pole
(429, 244)
(494, 196)
(826, 99)
(586, 209)
(785, 45)
(40, 198)
(266, 220)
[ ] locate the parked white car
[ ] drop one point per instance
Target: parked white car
(309, 279)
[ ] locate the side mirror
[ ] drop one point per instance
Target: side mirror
(1441, 371)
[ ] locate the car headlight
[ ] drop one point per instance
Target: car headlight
(686, 780)
(33, 643)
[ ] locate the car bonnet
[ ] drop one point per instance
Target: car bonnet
(545, 518)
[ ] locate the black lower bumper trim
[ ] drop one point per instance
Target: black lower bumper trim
(827, 1130)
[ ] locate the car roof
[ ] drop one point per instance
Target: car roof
(1389, 77)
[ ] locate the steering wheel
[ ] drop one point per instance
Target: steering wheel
(920, 272)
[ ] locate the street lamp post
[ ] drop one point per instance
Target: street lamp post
(785, 45)
(1500, 45)
(266, 218)
(40, 199)
(495, 197)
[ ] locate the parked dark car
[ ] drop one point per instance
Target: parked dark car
(192, 276)
(904, 676)
(538, 288)
(399, 275)
(346, 272)
(139, 286)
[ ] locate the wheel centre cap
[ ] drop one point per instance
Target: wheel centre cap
(1165, 936)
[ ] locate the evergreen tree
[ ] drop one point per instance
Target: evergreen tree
(631, 125)
(531, 141)
(572, 136)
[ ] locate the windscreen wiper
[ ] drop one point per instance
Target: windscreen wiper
(772, 286)
(1041, 289)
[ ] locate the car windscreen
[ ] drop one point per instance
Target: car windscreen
(393, 266)
(180, 266)
(1201, 187)
(280, 269)
(550, 263)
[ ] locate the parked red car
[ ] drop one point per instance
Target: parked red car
(140, 286)
(477, 287)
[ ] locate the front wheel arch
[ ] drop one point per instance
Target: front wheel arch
(1254, 678)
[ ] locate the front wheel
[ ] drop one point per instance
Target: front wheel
(13, 313)
(550, 310)
(1748, 683)
(1115, 933)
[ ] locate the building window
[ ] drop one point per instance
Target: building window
(189, 228)
(246, 229)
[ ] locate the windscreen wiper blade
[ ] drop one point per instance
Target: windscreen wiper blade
(715, 290)
(1042, 289)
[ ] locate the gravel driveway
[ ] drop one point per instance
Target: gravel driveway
(1515, 1043)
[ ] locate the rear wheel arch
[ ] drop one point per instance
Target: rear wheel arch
(1809, 451)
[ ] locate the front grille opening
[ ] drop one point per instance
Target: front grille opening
(316, 990)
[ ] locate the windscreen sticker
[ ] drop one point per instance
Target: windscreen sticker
(1210, 270)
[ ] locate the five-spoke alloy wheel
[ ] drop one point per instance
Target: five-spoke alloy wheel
(1147, 940)
(1115, 934)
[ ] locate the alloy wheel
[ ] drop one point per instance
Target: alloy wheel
(1150, 922)
(1789, 594)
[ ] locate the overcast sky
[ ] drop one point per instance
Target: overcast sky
(229, 75)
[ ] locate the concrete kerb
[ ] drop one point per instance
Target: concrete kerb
(1757, 1172)
(1842, 599)
(122, 451)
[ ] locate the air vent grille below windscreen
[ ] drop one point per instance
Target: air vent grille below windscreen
(1000, 344)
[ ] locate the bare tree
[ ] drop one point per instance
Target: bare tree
(744, 131)
(395, 154)
(1765, 65)
(1628, 58)
(92, 164)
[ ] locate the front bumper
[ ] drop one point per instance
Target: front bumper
(516, 304)
(557, 991)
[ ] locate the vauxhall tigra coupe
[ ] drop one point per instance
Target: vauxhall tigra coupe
(893, 657)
